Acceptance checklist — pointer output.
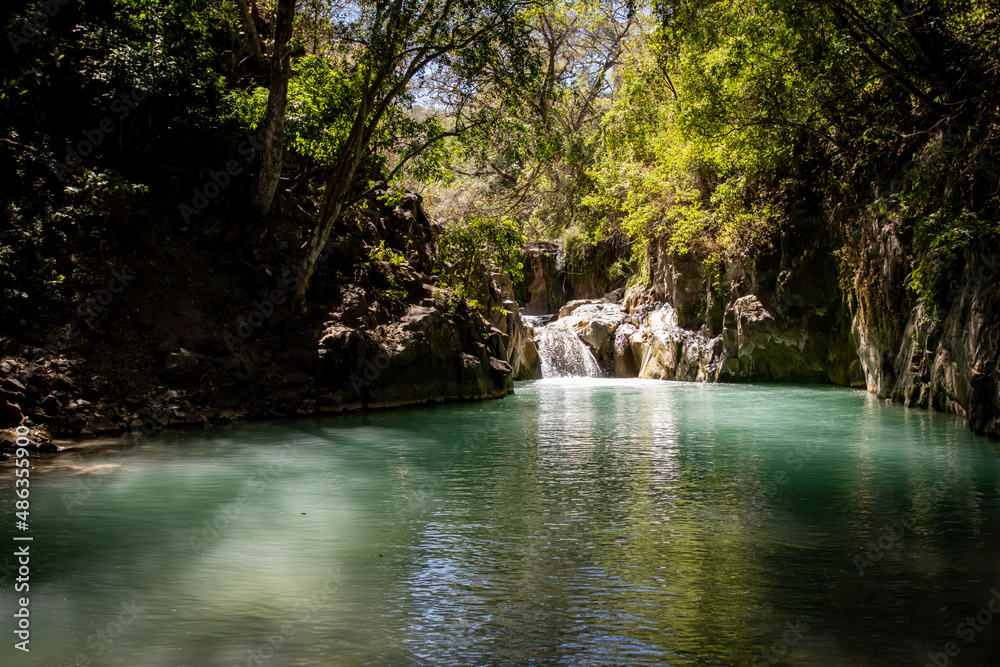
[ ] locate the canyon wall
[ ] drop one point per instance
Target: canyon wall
(802, 313)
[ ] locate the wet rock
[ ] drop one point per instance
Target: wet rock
(570, 308)
(663, 350)
(532, 364)
(624, 362)
(595, 322)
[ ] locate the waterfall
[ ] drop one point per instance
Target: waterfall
(560, 350)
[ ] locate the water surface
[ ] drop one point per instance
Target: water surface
(578, 522)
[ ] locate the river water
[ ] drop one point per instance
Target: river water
(578, 522)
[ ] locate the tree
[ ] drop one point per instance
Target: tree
(253, 38)
(390, 45)
(470, 250)
(266, 183)
(533, 163)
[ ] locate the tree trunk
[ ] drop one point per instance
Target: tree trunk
(281, 68)
(251, 29)
(337, 188)
(333, 204)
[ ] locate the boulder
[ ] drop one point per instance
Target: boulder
(665, 351)
(183, 367)
(595, 322)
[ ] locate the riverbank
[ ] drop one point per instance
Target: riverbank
(213, 339)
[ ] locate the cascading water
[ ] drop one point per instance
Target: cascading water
(560, 350)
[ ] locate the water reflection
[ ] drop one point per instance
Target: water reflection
(579, 522)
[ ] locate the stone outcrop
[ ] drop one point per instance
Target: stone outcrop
(662, 350)
(545, 274)
(426, 356)
(553, 279)
(777, 318)
(595, 321)
(944, 356)
(505, 315)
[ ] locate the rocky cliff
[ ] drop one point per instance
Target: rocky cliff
(943, 356)
(803, 313)
(555, 276)
(213, 340)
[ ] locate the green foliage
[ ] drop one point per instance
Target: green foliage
(47, 254)
(621, 268)
(574, 245)
(321, 100)
(940, 239)
(708, 117)
(713, 271)
(694, 125)
(389, 269)
(470, 250)
(532, 159)
(383, 253)
(149, 43)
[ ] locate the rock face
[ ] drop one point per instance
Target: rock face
(426, 356)
(944, 358)
(662, 350)
(790, 317)
(778, 318)
(554, 280)
(545, 273)
(505, 316)
(594, 322)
